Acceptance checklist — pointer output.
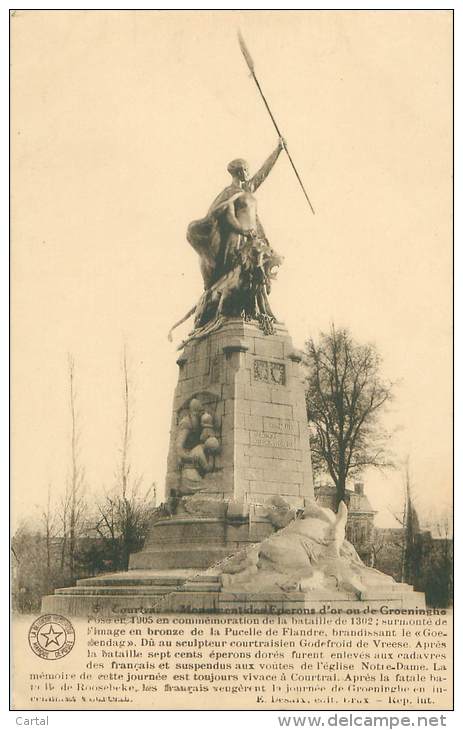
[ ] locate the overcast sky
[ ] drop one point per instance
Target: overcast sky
(123, 124)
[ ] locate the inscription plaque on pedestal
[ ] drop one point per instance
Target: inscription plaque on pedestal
(270, 438)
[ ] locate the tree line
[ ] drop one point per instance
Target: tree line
(77, 536)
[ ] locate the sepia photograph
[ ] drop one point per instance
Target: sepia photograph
(231, 359)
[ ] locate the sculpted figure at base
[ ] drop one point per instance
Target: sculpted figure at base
(236, 260)
(308, 553)
(196, 446)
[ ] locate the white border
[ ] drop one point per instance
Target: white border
(227, 720)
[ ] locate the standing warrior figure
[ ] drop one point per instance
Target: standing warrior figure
(231, 219)
(236, 260)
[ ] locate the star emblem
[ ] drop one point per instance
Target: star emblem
(51, 636)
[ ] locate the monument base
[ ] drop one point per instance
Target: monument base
(184, 591)
(185, 541)
(303, 565)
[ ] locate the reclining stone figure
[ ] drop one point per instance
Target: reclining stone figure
(309, 553)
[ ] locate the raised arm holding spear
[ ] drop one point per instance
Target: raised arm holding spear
(250, 64)
(237, 261)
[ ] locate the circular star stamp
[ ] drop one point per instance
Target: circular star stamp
(51, 636)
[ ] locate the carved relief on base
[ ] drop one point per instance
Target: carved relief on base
(197, 442)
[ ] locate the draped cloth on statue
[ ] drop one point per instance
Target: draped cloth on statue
(208, 236)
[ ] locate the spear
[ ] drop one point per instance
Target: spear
(250, 64)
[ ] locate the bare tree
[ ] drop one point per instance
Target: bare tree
(345, 395)
(49, 527)
(438, 563)
(441, 525)
(379, 545)
(125, 511)
(73, 504)
(62, 517)
(407, 518)
(28, 568)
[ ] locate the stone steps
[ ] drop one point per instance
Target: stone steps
(134, 590)
(131, 590)
(385, 592)
(126, 579)
(180, 591)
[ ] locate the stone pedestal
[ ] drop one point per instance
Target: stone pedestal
(252, 386)
(197, 542)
